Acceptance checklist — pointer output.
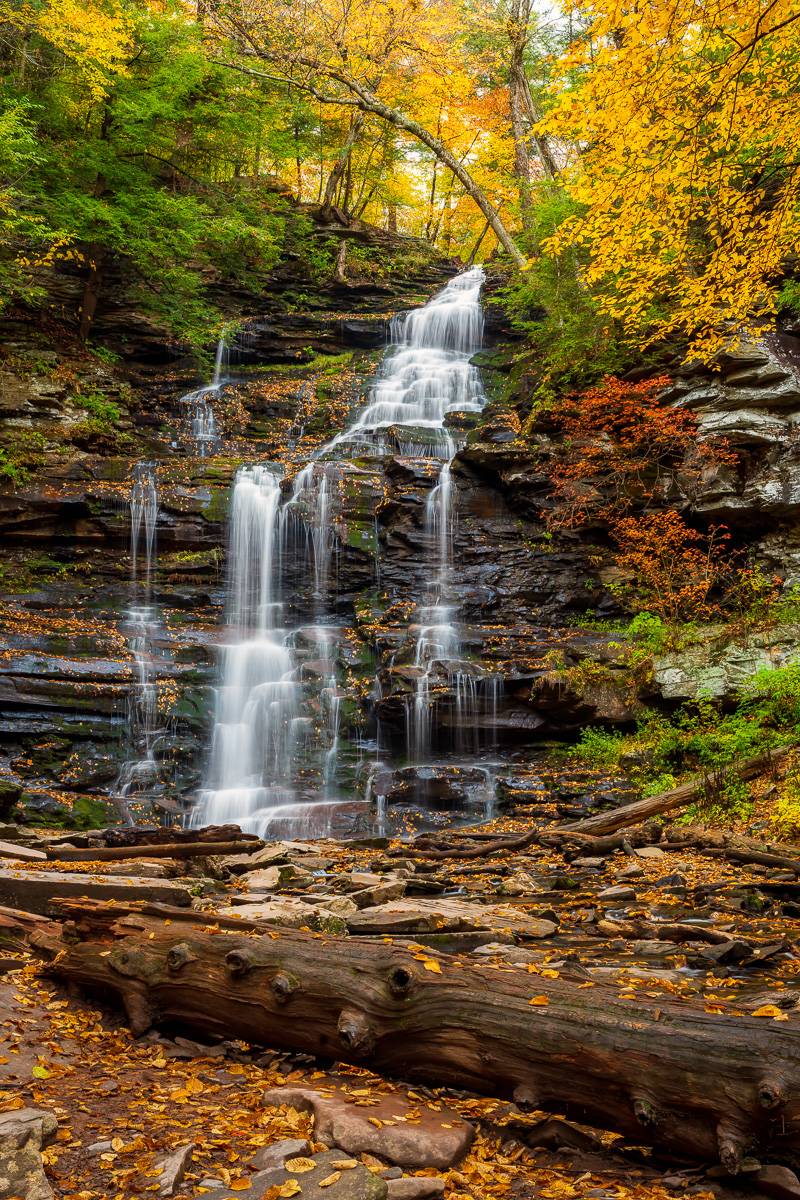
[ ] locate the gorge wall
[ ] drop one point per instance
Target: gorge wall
(74, 683)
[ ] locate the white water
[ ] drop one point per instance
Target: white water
(142, 620)
(268, 726)
(201, 420)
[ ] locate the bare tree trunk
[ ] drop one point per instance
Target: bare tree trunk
(549, 164)
(340, 166)
(341, 262)
(518, 36)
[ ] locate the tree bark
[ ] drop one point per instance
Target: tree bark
(518, 36)
(340, 166)
(663, 1071)
(341, 262)
(641, 810)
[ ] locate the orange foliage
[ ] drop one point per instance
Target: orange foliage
(621, 448)
(673, 568)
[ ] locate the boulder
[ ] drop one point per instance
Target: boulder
(24, 1133)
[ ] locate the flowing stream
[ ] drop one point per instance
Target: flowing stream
(276, 740)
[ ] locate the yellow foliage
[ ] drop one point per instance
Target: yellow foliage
(93, 39)
(685, 118)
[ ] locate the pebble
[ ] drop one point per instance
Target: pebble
(617, 893)
(98, 1147)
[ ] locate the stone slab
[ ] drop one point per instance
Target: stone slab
(23, 853)
(36, 891)
(451, 916)
(353, 1183)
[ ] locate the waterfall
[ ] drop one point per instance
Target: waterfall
(201, 420)
(277, 729)
(142, 619)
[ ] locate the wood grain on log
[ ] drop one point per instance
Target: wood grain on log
(663, 1071)
(640, 810)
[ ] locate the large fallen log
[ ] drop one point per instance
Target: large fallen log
(167, 850)
(641, 810)
(663, 1071)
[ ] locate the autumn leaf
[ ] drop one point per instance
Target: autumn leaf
(299, 1165)
(334, 1178)
(770, 1010)
(541, 1001)
(240, 1185)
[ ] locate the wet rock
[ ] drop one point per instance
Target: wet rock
(340, 906)
(277, 1154)
(269, 856)
(24, 1133)
(620, 894)
(728, 952)
(439, 1140)
(649, 852)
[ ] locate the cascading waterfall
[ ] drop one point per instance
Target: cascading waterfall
(201, 419)
(142, 620)
(270, 723)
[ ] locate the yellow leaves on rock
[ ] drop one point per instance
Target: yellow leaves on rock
(769, 1010)
(334, 1178)
(240, 1185)
(372, 1164)
(279, 1191)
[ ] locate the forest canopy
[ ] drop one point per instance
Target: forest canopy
(636, 168)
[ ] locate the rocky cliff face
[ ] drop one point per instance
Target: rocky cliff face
(70, 670)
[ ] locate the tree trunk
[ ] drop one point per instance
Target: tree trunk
(341, 262)
(91, 289)
(641, 810)
(518, 36)
(340, 166)
(663, 1071)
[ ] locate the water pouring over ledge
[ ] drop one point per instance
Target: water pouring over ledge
(273, 762)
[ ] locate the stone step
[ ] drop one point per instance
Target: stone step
(38, 891)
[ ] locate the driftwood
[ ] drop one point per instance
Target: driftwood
(663, 1071)
(170, 850)
(574, 842)
(641, 810)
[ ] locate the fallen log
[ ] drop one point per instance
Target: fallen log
(492, 847)
(168, 850)
(585, 843)
(137, 835)
(664, 1071)
(638, 929)
(641, 810)
(753, 856)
